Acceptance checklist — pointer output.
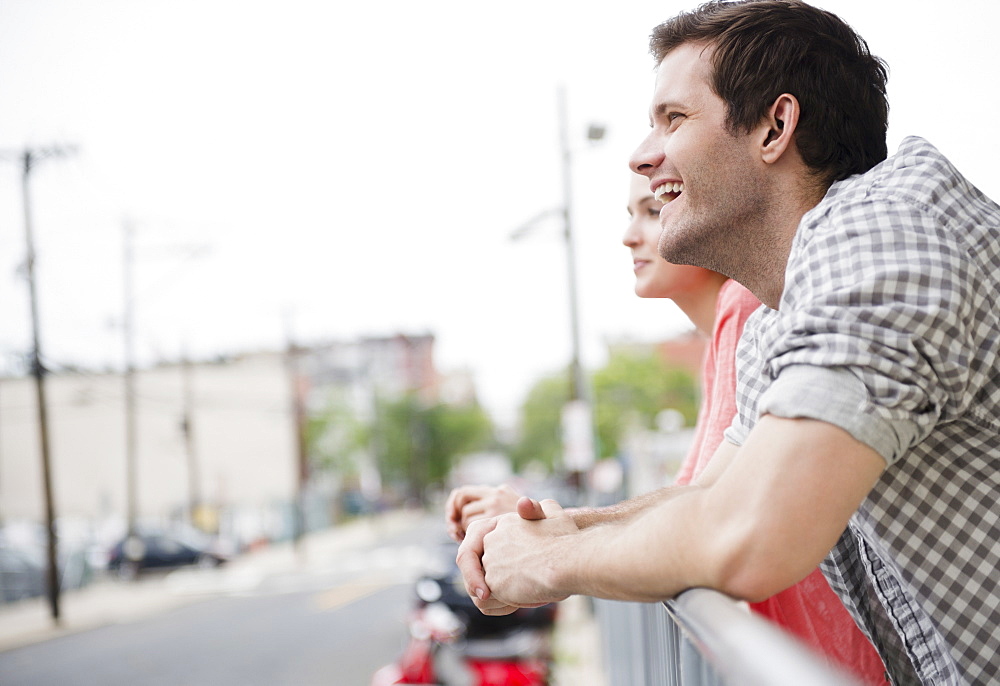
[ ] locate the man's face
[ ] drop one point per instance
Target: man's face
(709, 180)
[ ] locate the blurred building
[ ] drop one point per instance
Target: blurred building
(371, 367)
(364, 370)
(232, 420)
(238, 413)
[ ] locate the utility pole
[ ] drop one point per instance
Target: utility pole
(128, 333)
(292, 357)
(1, 476)
(187, 427)
(131, 403)
(29, 158)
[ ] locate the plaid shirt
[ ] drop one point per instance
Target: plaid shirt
(889, 328)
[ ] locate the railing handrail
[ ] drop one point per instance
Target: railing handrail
(747, 649)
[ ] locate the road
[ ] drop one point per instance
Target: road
(330, 622)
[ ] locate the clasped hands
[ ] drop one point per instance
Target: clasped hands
(510, 561)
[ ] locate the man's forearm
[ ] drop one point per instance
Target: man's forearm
(658, 548)
(586, 517)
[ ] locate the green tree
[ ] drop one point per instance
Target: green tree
(453, 431)
(416, 444)
(632, 388)
(335, 437)
(540, 437)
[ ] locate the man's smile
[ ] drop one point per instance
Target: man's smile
(669, 190)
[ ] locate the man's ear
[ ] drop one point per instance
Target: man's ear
(778, 127)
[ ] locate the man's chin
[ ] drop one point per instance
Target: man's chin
(675, 253)
(677, 247)
(671, 246)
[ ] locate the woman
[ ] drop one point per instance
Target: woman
(717, 306)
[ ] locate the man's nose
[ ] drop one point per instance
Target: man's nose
(646, 157)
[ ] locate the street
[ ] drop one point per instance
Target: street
(331, 621)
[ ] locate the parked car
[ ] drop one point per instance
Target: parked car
(147, 551)
(21, 576)
(24, 571)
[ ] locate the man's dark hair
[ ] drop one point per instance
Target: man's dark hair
(763, 48)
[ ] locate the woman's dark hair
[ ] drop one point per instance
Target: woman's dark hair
(763, 48)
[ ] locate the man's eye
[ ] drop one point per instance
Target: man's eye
(673, 116)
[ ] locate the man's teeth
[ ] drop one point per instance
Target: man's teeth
(668, 191)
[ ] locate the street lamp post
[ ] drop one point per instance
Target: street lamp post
(577, 419)
(577, 383)
(577, 416)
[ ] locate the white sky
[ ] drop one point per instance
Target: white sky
(357, 168)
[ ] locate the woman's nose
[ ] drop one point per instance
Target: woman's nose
(632, 235)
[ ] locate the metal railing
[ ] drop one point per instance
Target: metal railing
(704, 638)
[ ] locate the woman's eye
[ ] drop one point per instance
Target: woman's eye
(653, 211)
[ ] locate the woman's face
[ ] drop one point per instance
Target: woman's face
(654, 276)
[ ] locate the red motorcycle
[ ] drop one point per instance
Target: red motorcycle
(451, 643)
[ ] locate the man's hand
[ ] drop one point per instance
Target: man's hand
(467, 504)
(470, 563)
(503, 560)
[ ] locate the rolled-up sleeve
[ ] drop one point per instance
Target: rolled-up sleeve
(836, 396)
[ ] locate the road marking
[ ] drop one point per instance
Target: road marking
(347, 593)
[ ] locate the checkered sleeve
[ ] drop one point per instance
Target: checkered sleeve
(876, 297)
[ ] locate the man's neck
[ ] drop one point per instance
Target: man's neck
(763, 273)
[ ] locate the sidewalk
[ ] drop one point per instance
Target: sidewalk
(577, 646)
(108, 601)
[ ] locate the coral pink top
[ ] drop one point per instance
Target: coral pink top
(810, 609)
(718, 378)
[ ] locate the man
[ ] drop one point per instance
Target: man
(868, 435)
